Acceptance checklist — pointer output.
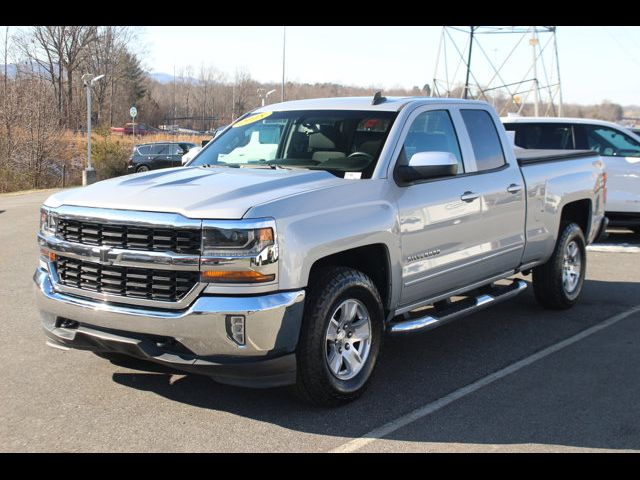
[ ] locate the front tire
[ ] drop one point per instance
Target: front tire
(340, 338)
(557, 284)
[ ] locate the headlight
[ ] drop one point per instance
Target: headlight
(48, 225)
(239, 255)
(48, 222)
(235, 242)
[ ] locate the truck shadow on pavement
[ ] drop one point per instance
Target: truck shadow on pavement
(579, 397)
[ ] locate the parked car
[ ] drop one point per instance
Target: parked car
(618, 146)
(191, 154)
(139, 129)
(287, 265)
(152, 156)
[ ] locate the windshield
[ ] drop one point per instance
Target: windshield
(338, 141)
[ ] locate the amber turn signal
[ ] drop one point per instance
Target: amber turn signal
(226, 276)
(48, 254)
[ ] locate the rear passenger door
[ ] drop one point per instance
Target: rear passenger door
(463, 229)
(175, 154)
(160, 156)
(498, 181)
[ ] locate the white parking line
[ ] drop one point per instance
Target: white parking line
(386, 429)
(614, 248)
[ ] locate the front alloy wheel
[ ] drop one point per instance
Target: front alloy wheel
(348, 339)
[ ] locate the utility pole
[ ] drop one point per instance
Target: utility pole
(263, 94)
(89, 174)
(284, 43)
(466, 82)
(233, 101)
(555, 47)
(536, 92)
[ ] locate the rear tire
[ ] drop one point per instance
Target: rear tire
(340, 338)
(142, 168)
(557, 284)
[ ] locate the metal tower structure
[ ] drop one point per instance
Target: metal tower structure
(508, 78)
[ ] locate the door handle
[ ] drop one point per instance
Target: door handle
(469, 196)
(514, 188)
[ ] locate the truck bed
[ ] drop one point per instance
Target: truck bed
(529, 156)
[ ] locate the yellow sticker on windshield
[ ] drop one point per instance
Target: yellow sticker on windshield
(251, 119)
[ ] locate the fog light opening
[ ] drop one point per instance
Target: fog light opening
(66, 323)
(236, 328)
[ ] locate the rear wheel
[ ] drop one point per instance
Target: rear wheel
(557, 284)
(340, 337)
(142, 168)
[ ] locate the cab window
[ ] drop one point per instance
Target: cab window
(485, 142)
(433, 131)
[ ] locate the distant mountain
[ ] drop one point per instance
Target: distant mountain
(165, 78)
(160, 77)
(11, 70)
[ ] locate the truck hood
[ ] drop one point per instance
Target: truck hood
(196, 192)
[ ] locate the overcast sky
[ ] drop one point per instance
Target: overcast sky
(596, 63)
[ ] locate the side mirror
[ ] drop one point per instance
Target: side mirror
(426, 165)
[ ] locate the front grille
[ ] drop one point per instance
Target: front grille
(163, 285)
(131, 237)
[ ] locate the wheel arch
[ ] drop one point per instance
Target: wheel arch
(373, 260)
(579, 212)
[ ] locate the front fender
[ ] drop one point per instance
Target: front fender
(314, 225)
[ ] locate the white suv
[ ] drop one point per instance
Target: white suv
(618, 146)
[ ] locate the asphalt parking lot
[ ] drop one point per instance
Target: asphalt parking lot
(511, 378)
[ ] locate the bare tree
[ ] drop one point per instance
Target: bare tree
(245, 92)
(44, 46)
(58, 51)
(76, 42)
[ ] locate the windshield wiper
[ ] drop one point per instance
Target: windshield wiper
(262, 166)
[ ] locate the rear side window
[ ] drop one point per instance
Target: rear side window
(160, 149)
(609, 142)
(543, 136)
(144, 149)
(176, 149)
(484, 139)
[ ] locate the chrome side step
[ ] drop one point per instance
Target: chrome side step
(427, 322)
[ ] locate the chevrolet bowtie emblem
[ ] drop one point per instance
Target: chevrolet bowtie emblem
(103, 254)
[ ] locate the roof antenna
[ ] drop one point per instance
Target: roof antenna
(378, 98)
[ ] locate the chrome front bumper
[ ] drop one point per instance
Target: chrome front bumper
(272, 329)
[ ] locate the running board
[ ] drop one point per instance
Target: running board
(427, 322)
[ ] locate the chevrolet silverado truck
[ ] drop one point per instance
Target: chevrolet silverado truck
(342, 220)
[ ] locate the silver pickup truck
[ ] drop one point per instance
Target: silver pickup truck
(286, 249)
